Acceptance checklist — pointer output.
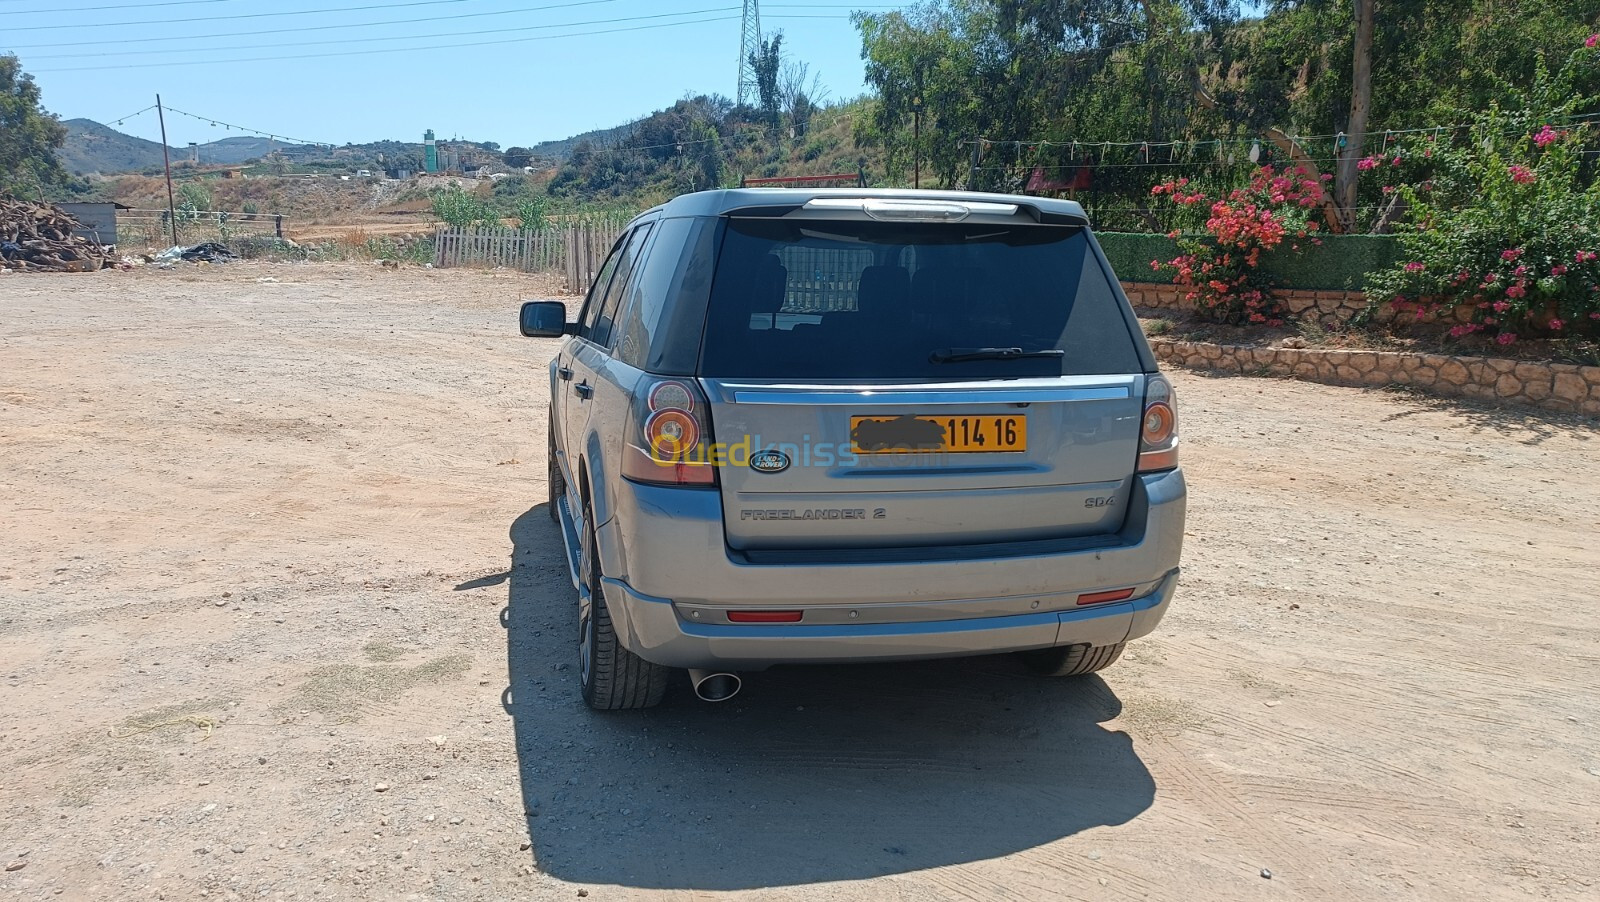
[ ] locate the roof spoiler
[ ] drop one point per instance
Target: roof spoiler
(950, 208)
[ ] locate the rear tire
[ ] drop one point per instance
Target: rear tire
(1072, 660)
(611, 677)
(555, 480)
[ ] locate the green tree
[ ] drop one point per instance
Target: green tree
(1020, 70)
(767, 60)
(29, 136)
(705, 158)
(1173, 72)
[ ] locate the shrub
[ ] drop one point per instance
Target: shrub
(1501, 235)
(267, 247)
(194, 198)
(1223, 267)
(462, 209)
(532, 212)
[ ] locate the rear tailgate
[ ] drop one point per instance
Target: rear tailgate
(883, 384)
(1066, 470)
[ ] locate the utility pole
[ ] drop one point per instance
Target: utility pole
(972, 178)
(166, 156)
(749, 43)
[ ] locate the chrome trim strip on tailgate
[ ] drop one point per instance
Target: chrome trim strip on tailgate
(965, 397)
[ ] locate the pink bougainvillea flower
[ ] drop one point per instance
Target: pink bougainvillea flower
(1506, 338)
(1592, 41)
(1557, 325)
(1396, 162)
(1548, 136)
(1520, 174)
(1558, 270)
(1368, 163)
(1502, 306)
(1415, 267)
(1511, 254)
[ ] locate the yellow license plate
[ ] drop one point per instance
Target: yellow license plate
(958, 433)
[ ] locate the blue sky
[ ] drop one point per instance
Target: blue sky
(90, 64)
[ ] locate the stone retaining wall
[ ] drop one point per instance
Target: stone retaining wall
(1551, 386)
(1327, 307)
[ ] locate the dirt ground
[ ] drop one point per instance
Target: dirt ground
(282, 616)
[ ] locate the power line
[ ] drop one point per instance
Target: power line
(94, 9)
(262, 59)
(305, 28)
(402, 37)
(119, 120)
(276, 137)
(303, 12)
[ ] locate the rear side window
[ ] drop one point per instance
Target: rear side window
(662, 326)
(873, 300)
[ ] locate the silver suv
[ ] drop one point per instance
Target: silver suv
(796, 426)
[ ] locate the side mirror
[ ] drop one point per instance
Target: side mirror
(544, 319)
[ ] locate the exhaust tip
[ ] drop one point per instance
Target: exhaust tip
(715, 687)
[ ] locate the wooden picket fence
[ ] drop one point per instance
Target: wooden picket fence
(576, 250)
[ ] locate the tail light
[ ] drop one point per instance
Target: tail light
(669, 436)
(1158, 428)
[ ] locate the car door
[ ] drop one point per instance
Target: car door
(572, 410)
(593, 341)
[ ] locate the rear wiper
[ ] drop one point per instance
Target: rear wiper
(956, 355)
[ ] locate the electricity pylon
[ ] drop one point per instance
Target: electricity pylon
(749, 43)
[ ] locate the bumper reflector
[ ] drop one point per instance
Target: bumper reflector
(765, 616)
(1103, 597)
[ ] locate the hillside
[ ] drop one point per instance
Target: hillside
(559, 150)
(240, 148)
(705, 142)
(92, 147)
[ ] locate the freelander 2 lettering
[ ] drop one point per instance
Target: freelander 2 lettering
(810, 514)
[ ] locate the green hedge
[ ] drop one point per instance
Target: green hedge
(1341, 262)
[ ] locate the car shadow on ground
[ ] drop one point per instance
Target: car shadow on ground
(811, 774)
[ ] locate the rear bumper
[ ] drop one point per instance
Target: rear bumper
(654, 629)
(666, 558)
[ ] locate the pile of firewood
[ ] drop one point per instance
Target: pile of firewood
(37, 236)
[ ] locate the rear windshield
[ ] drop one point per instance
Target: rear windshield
(874, 300)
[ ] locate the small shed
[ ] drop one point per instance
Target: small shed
(99, 220)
